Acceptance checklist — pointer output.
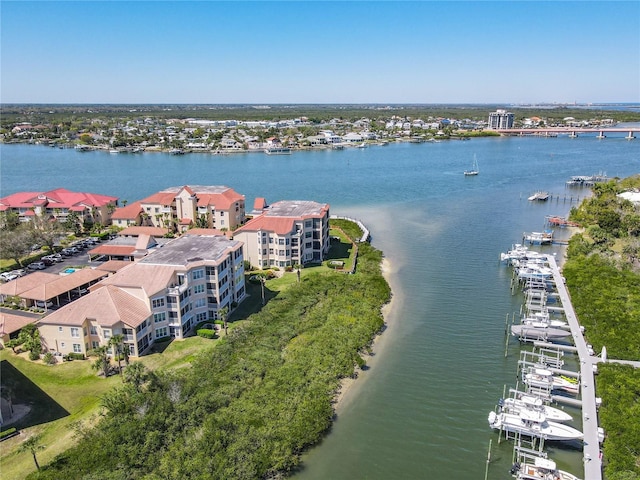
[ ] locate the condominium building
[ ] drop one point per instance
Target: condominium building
(500, 119)
(180, 208)
(285, 234)
(59, 204)
(164, 295)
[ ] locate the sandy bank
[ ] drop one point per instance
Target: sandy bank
(349, 387)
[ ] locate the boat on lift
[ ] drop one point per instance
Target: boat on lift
(522, 401)
(532, 424)
(540, 469)
(545, 379)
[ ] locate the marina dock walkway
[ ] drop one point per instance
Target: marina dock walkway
(591, 457)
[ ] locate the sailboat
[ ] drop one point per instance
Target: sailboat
(474, 168)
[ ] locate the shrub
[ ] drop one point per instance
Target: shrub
(74, 356)
(34, 355)
(206, 333)
(49, 359)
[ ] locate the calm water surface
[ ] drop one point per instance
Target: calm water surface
(420, 410)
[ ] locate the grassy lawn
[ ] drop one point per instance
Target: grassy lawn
(76, 390)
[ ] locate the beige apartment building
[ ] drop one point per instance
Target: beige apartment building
(164, 295)
(285, 234)
(179, 208)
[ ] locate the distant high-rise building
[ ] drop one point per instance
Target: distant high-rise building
(500, 119)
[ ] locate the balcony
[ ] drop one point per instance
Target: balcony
(176, 289)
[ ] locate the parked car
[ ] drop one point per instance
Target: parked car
(66, 252)
(19, 272)
(8, 276)
(37, 266)
(41, 304)
(47, 261)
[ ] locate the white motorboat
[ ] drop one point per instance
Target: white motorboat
(543, 378)
(521, 252)
(540, 238)
(530, 402)
(535, 331)
(543, 318)
(277, 151)
(532, 424)
(540, 469)
(539, 196)
(531, 271)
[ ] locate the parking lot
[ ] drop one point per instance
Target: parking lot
(78, 258)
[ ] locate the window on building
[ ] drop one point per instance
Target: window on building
(271, 251)
(95, 344)
(197, 274)
(201, 302)
(93, 330)
(281, 241)
(198, 288)
(77, 348)
(75, 332)
(157, 302)
(106, 333)
(60, 329)
(159, 317)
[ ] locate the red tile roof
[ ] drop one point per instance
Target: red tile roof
(113, 250)
(10, 323)
(107, 305)
(259, 204)
(58, 198)
(136, 231)
(279, 225)
(205, 231)
(130, 212)
(221, 201)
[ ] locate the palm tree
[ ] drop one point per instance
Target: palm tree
(135, 373)
(222, 313)
(102, 363)
(117, 342)
(32, 444)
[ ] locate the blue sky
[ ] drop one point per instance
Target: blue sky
(320, 52)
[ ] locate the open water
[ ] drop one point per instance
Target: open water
(420, 410)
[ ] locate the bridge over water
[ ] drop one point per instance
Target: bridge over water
(571, 131)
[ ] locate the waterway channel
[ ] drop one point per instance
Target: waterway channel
(420, 410)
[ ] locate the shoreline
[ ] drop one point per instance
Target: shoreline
(350, 386)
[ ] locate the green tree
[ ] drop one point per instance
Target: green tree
(29, 337)
(72, 223)
(117, 342)
(136, 374)
(33, 445)
(102, 363)
(223, 313)
(15, 244)
(9, 220)
(46, 231)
